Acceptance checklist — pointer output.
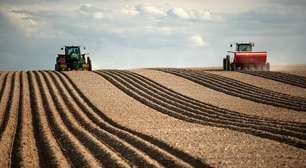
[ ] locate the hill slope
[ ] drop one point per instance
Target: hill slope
(148, 118)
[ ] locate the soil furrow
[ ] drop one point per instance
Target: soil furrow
(239, 88)
(50, 151)
(170, 94)
(211, 84)
(183, 103)
(291, 79)
(174, 111)
(267, 85)
(24, 150)
(3, 85)
(9, 124)
(236, 91)
(97, 149)
(200, 104)
(155, 154)
(145, 143)
(283, 76)
(256, 90)
(242, 87)
(161, 156)
(9, 106)
(116, 144)
(5, 95)
(15, 153)
(192, 112)
(252, 88)
(138, 95)
(74, 145)
(1, 78)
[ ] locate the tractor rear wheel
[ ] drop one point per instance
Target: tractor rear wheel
(228, 62)
(267, 67)
(224, 64)
(57, 67)
(89, 64)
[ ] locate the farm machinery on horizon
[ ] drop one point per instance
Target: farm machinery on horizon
(73, 59)
(244, 58)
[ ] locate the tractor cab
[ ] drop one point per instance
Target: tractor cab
(242, 47)
(73, 59)
(73, 51)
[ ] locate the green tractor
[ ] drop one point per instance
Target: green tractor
(73, 60)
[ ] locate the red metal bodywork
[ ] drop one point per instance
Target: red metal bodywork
(254, 58)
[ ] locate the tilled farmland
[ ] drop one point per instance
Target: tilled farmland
(149, 118)
(282, 77)
(240, 89)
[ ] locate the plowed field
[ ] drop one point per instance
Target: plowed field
(152, 118)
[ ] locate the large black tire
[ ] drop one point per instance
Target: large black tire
(233, 67)
(228, 63)
(89, 64)
(267, 66)
(224, 64)
(57, 68)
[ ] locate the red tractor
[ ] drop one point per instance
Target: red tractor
(244, 58)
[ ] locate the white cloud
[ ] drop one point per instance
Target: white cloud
(178, 12)
(200, 14)
(129, 11)
(190, 14)
(197, 40)
(85, 9)
(145, 11)
(150, 10)
(91, 11)
(24, 20)
(163, 30)
(98, 15)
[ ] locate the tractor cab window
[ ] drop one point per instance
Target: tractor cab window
(73, 51)
(244, 47)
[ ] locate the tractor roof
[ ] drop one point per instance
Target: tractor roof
(244, 43)
(72, 46)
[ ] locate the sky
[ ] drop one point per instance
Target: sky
(127, 34)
